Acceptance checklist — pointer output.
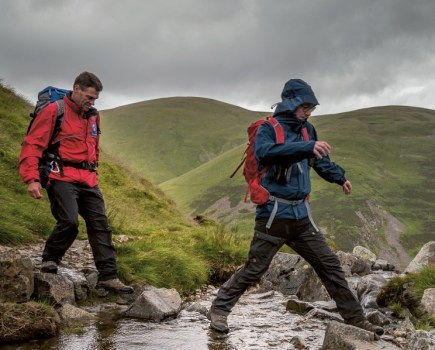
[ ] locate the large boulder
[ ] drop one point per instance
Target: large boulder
(155, 304)
(16, 277)
(55, 289)
(426, 256)
(292, 275)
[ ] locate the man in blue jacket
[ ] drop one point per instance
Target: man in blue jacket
(285, 218)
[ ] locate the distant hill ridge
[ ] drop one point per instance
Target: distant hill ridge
(165, 138)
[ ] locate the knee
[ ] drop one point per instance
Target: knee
(68, 224)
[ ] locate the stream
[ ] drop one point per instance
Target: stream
(258, 321)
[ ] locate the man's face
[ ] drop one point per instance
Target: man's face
(84, 98)
(304, 111)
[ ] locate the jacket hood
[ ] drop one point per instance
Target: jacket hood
(295, 93)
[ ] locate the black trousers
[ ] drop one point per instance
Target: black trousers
(68, 200)
(310, 245)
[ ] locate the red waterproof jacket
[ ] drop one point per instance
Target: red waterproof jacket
(79, 140)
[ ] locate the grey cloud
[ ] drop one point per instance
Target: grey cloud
(236, 51)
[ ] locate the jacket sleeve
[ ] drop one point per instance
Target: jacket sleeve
(35, 142)
(268, 152)
(327, 169)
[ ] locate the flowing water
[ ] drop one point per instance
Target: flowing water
(258, 321)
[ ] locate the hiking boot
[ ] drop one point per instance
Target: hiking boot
(364, 324)
(115, 285)
(218, 322)
(49, 267)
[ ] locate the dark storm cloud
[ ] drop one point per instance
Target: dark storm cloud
(353, 53)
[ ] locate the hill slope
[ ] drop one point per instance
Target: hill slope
(386, 152)
(164, 138)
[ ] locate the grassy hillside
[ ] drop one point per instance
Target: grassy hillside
(165, 248)
(387, 154)
(164, 138)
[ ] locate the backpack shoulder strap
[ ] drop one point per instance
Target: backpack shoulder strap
(59, 119)
(279, 130)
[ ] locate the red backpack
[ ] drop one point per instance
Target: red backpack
(258, 194)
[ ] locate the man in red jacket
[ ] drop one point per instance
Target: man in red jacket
(72, 184)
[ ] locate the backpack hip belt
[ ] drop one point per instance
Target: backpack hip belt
(81, 165)
(294, 202)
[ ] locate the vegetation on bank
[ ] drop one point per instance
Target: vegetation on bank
(164, 247)
(38, 319)
(404, 293)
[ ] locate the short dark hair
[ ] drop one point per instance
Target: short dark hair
(87, 80)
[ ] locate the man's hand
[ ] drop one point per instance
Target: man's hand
(321, 149)
(347, 187)
(34, 190)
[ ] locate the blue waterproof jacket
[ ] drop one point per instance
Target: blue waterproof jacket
(290, 163)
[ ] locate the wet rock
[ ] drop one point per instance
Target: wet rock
(323, 315)
(346, 337)
(54, 289)
(378, 318)
(426, 256)
(291, 275)
(368, 289)
(16, 277)
(197, 307)
(421, 340)
(383, 265)
(428, 301)
(72, 315)
(364, 253)
(353, 264)
(155, 304)
(298, 343)
(81, 287)
(298, 306)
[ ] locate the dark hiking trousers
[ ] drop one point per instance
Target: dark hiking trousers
(310, 245)
(68, 200)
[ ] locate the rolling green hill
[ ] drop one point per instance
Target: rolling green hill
(387, 154)
(385, 150)
(165, 138)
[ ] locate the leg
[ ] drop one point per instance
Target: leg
(313, 248)
(63, 199)
(263, 249)
(91, 208)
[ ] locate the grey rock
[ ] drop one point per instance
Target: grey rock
(421, 340)
(291, 275)
(16, 277)
(55, 289)
(81, 286)
(155, 304)
(428, 301)
(426, 256)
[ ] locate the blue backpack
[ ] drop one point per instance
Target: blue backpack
(45, 97)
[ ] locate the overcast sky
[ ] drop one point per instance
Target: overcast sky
(354, 53)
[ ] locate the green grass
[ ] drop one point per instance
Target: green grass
(405, 292)
(164, 138)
